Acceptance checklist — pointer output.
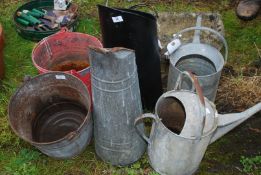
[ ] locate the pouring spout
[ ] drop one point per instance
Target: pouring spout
(227, 122)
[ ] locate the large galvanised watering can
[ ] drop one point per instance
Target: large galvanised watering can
(184, 124)
(116, 104)
(203, 59)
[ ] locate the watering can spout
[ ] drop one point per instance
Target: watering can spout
(227, 122)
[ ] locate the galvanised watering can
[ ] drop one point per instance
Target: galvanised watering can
(203, 59)
(184, 124)
(116, 104)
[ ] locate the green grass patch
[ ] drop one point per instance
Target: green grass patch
(251, 164)
(20, 158)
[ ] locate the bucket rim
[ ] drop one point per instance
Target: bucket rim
(174, 59)
(208, 133)
(61, 32)
(67, 136)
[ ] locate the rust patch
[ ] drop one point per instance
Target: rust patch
(172, 113)
(57, 120)
(70, 65)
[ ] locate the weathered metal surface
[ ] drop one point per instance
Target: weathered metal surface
(202, 59)
(116, 104)
(65, 51)
(2, 71)
(138, 31)
(180, 153)
(52, 112)
(172, 114)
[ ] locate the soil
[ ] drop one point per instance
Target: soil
(223, 156)
(235, 95)
(180, 21)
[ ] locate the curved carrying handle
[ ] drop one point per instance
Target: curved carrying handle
(64, 29)
(195, 85)
(211, 31)
(140, 119)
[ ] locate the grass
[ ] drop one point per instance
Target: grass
(19, 158)
(252, 164)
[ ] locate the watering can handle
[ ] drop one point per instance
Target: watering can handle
(212, 31)
(141, 118)
(196, 85)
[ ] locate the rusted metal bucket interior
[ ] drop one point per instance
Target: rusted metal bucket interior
(57, 120)
(46, 109)
(172, 114)
(197, 64)
(64, 51)
(61, 60)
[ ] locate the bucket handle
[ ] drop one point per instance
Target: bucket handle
(64, 29)
(211, 31)
(195, 85)
(139, 120)
(145, 5)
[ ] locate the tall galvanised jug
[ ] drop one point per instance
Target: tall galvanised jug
(204, 60)
(116, 104)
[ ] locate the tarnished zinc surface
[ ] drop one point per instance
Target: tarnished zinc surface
(52, 112)
(171, 152)
(204, 60)
(116, 104)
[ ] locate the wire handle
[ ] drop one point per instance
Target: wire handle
(145, 5)
(211, 31)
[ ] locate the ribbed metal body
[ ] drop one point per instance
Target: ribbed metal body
(116, 104)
